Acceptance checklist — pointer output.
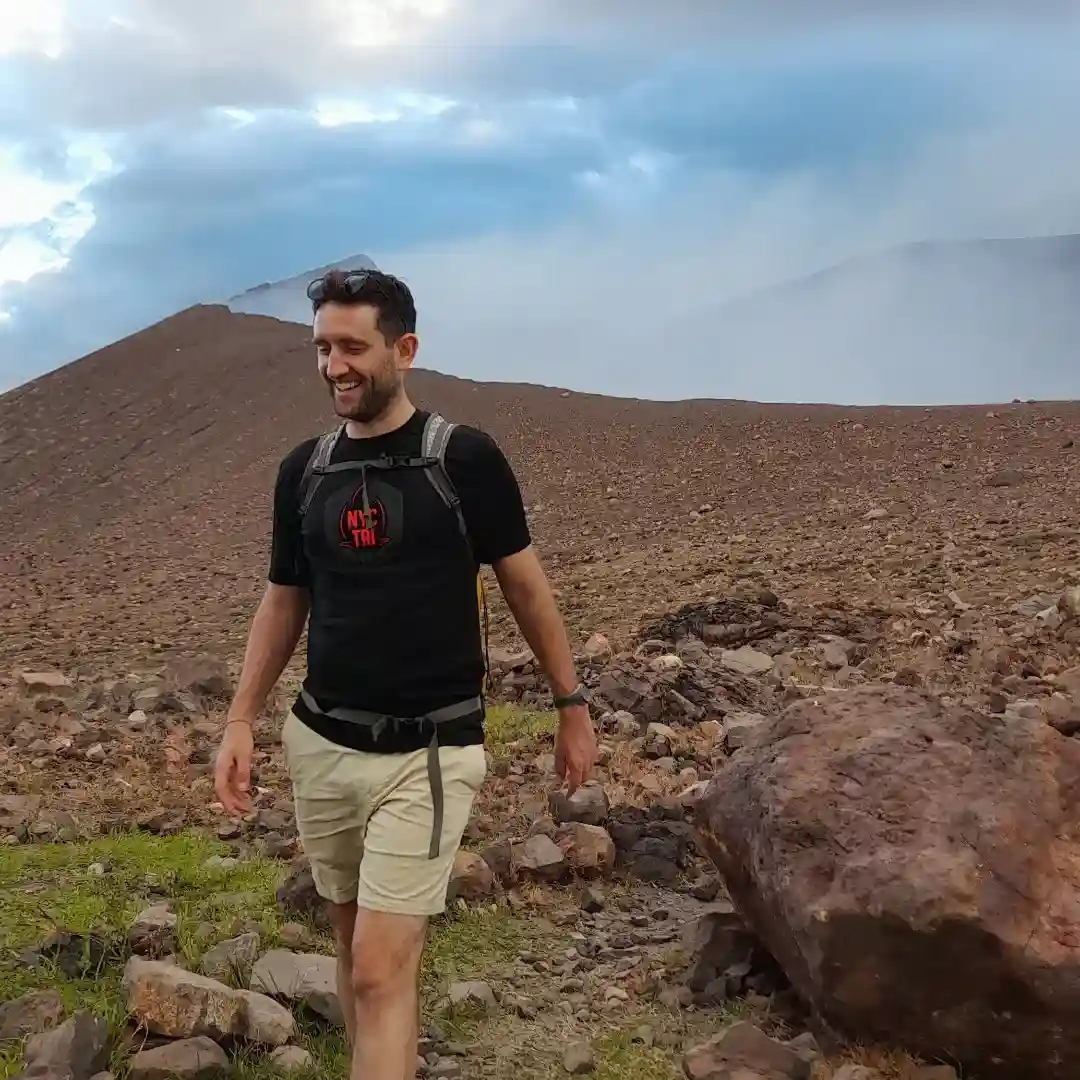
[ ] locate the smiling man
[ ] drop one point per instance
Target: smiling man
(379, 531)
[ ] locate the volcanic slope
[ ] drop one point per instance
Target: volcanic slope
(135, 491)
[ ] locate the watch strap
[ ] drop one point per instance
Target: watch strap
(577, 696)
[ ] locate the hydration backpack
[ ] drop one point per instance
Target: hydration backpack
(432, 459)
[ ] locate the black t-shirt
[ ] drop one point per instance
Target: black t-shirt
(395, 622)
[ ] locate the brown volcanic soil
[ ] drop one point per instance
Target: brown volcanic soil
(135, 497)
(135, 494)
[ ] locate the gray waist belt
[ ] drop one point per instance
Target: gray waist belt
(378, 722)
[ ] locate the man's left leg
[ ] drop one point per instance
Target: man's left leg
(387, 951)
(401, 887)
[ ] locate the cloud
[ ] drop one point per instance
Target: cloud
(112, 64)
(682, 304)
(572, 189)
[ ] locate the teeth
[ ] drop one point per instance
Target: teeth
(346, 385)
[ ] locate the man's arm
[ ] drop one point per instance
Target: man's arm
(495, 514)
(532, 603)
(275, 630)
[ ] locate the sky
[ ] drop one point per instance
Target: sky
(576, 190)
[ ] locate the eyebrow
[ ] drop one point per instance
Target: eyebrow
(344, 339)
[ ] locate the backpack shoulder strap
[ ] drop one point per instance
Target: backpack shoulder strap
(433, 444)
(436, 437)
(319, 459)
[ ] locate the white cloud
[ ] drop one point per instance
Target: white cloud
(341, 112)
(32, 26)
(636, 307)
(46, 219)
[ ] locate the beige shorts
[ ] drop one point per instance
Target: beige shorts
(365, 820)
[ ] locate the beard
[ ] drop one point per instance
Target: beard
(372, 398)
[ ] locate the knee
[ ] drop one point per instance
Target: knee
(385, 967)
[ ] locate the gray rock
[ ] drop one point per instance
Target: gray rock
(167, 1000)
(472, 996)
(77, 1049)
(152, 932)
(579, 1059)
(588, 805)
(541, 857)
(231, 960)
(30, 1014)
(743, 1049)
(199, 1058)
(301, 978)
(746, 661)
(288, 1059)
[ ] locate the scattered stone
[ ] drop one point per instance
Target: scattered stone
(1006, 478)
(539, 856)
(746, 661)
(597, 646)
(500, 858)
(198, 1058)
(716, 943)
(167, 1000)
(744, 1052)
(651, 845)
(588, 805)
(232, 960)
(301, 978)
(589, 849)
(78, 956)
(471, 878)
(294, 935)
(30, 1014)
(592, 900)
(204, 676)
(472, 996)
(289, 1059)
(579, 1059)
(740, 728)
(152, 933)
(45, 682)
(78, 1049)
(856, 1072)
(297, 897)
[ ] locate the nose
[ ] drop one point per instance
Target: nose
(335, 364)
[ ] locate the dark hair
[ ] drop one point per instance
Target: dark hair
(390, 297)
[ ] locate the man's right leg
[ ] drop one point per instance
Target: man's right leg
(331, 817)
(343, 921)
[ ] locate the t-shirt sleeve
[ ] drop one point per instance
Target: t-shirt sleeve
(288, 564)
(490, 496)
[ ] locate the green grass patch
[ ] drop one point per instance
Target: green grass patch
(509, 724)
(101, 886)
(620, 1057)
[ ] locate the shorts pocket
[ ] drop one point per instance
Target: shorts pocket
(474, 766)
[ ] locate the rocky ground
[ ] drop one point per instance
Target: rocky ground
(717, 562)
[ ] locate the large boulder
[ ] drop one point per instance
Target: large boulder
(915, 869)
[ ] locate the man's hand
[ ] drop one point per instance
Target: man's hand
(575, 746)
(232, 773)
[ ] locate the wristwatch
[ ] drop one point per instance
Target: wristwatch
(578, 696)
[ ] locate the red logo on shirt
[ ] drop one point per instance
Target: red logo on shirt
(360, 529)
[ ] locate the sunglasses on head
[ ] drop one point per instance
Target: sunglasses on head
(351, 284)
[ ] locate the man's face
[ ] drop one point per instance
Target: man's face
(363, 372)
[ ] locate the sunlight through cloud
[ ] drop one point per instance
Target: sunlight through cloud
(32, 26)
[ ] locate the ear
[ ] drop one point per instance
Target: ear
(405, 349)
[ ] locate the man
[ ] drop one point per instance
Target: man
(384, 745)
